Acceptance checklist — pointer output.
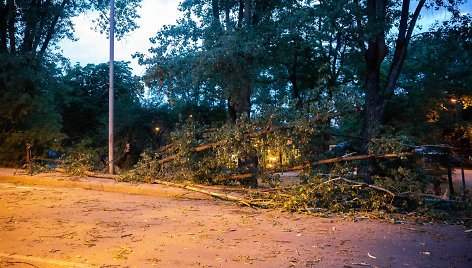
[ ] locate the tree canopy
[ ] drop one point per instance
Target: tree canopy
(32, 74)
(254, 55)
(273, 62)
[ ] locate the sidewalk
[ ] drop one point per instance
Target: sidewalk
(55, 179)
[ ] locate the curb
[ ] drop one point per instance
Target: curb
(96, 184)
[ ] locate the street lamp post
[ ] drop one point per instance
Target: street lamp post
(110, 92)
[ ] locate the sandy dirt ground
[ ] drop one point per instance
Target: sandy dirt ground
(68, 222)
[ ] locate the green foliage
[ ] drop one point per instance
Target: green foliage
(404, 180)
(401, 175)
(126, 14)
(85, 105)
(84, 108)
(30, 75)
(389, 144)
(203, 59)
(145, 171)
(83, 157)
(436, 85)
(28, 112)
(209, 166)
(215, 155)
(336, 196)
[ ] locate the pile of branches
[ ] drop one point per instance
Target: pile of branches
(232, 152)
(229, 155)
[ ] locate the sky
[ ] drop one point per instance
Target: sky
(93, 47)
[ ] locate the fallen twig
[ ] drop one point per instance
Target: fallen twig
(370, 186)
(102, 176)
(213, 194)
(92, 174)
(21, 262)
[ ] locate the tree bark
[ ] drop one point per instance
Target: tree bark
(227, 12)
(247, 12)
(239, 102)
(377, 95)
(30, 26)
(241, 13)
(405, 32)
(215, 7)
(260, 6)
(11, 11)
(292, 77)
(3, 27)
(239, 96)
(52, 27)
(43, 20)
(374, 56)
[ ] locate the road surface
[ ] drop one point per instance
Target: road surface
(50, 226)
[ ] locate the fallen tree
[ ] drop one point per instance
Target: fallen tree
(252, 134)
(323, 162)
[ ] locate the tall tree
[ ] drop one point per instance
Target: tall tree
(87, 96)
(381, 16)
(435, 87)
(204, 54)
(30, 73)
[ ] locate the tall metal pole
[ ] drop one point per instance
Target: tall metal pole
(111, 168)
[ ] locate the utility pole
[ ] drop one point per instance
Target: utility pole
(111, 168)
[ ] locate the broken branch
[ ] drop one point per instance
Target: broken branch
(226, 197)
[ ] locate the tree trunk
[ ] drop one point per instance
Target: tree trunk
(239, 97)
(43, 20)
(215, 7)
(11, 11)
(241, 13)
(373, 109)
(239, 102)
(52, 27)
(373, 99)
(377, 96)
(374, 56)
(292, 77)
(260, 6)
(405, 32)
(247, 12)
(3, 27)
(227, 13)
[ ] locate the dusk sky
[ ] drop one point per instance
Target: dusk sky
(93, 47)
